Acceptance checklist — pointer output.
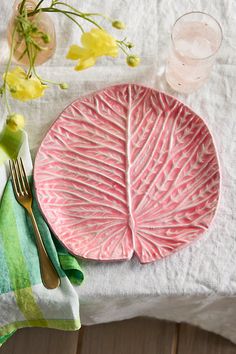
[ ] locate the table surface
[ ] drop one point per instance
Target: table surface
(197, 284)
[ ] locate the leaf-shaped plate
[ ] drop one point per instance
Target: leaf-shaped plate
(127, 170)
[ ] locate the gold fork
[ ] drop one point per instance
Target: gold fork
(23, 195)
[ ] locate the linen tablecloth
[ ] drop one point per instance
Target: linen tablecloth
(198, 284)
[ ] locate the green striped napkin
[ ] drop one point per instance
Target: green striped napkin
(24, 301)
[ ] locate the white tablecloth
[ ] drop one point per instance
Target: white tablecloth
(198, 284)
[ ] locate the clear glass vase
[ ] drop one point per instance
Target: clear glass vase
(44, 24)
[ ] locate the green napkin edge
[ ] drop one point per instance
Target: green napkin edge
(72, 269)
(3, 339)
(69, 264)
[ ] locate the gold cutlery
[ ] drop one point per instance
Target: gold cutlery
(24, 196)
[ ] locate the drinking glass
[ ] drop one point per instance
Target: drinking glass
(195, 39)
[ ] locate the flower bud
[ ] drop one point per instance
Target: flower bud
(34, 29)
(129, 45)
(132, 60)
(15, 122)
(118, 25)
(63, 86)
(46, 38)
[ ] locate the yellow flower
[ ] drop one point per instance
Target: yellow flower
(96, 43)
(23, 88)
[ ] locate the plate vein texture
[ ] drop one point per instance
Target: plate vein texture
(127, 170)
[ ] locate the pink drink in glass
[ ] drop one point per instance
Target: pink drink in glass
(196, 38)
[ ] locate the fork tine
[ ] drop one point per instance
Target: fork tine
(20, 178)
(25, 181)
(15, 180)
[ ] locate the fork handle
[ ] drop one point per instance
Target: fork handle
(49, 274)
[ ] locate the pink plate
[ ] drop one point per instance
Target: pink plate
(127, 170)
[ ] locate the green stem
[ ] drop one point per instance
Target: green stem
(119, 43)
(35, 45)
(18, 43)
(22, 55)
(38, 77)
(11, 53)
(33, 66)
(43, 80)
(7, 69)
(22, 6)
(50, 9)
(39, 3)
(7, 103)
(69, 6)
(97, 14)
(83, 14)
(27, 47)
(78, 24)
